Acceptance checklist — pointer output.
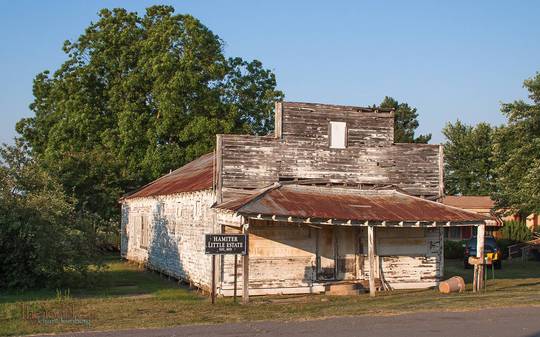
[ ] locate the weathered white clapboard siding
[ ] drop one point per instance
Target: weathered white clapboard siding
(301, 151)
(177, 227)
(255, 162)
(411, 257)
(133, 211)
(283, 258)
(410, 272)
(309, 122)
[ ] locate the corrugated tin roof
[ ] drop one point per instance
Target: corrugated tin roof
(347, 204)
(469, 201)
(194, 176)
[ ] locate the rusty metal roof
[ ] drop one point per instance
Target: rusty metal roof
(194, 176)
(469, 201)
(347, 204)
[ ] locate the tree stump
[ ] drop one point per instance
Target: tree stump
(452, 285)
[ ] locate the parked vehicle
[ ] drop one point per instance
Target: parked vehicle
(490, 249)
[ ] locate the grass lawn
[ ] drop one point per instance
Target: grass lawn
(133, 298)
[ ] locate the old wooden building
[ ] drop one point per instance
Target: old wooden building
(329, 202)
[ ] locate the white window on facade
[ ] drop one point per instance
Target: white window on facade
(338, 135)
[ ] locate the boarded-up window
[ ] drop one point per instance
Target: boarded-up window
(171, 225)
(197, 209)
(338, 135)
(144, 232)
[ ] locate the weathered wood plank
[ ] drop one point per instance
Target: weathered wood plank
(256, 162)
(245, 272)
(371, 258)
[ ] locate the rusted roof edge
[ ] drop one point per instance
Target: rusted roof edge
(444, 205)
(246, 200)
(384, 223)
(237, 205)
(162, 195)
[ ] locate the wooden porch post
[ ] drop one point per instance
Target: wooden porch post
(371, 257)
(245, 268)
(479, 268)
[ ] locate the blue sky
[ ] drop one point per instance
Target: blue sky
(458, 59)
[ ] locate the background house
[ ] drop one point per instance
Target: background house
(478, 204)
(482, 205)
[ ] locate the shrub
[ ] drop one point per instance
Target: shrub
(454, 249)
(43, 240)
(516, 231)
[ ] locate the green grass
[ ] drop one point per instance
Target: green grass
(514, 269)
(129, 297)
(119, 279)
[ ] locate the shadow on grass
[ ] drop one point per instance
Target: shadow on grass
(120, 278)
(520, 285)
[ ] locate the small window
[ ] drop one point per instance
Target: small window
(338, 135)
(145, 231)
(171, 225)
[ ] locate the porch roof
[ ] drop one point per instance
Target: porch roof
(351, 205)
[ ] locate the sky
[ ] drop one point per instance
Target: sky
(451, 60)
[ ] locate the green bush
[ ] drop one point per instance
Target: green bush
(44, 241)
(516, 231)
(454, 249)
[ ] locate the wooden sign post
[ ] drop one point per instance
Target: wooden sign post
(245, 269)
(371, 257)
(213, 294)
(235, 276)
(225, 244)
(478, 278)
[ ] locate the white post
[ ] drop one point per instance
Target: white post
(371, 257)
(480, 254)
(245, 268)
(441, 240)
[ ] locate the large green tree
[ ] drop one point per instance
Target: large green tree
(136, 97)
(517, 153)
(467, 156)
(405, 122)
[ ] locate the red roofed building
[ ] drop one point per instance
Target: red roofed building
(483, 205)
(479, 204)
